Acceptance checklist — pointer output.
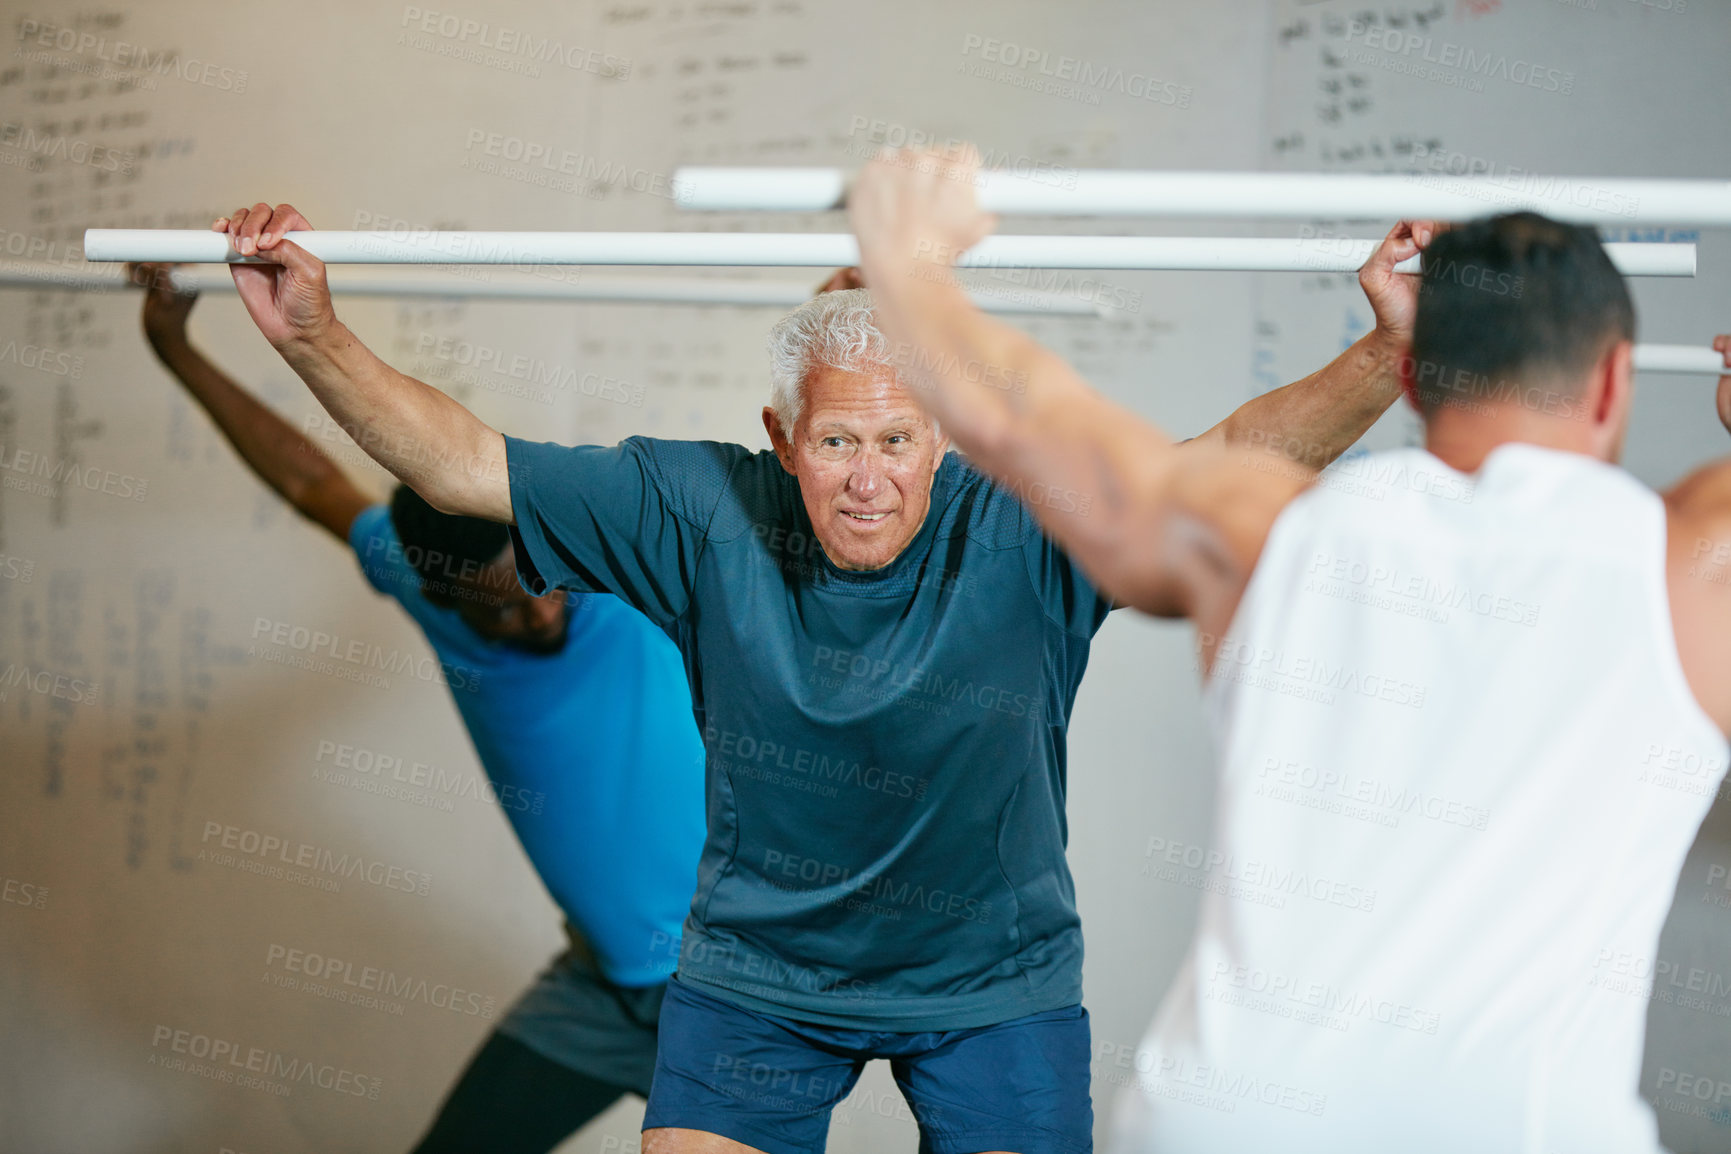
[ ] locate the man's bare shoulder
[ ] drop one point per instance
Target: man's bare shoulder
(1698, 566)
(1698, 518)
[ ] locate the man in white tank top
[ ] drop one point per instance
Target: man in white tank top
(1470, 700)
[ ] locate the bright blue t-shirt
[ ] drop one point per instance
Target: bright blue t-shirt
(592, 754)
(886, 748)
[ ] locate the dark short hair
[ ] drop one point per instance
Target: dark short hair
(444, 547)
(1512, 297)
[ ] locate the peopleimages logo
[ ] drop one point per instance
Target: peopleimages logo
(341, 979)
(1245, 877)
(1259, 989)
(1483, 65)
(533, 371)
(253, 1066)
(1351, 795)
(542, 161)
(256, 852)
(498, 45)
(59, 147)
(40, 249)
(873, 892)
(121, 54)
(47, 683)
(373, 772)
(1069, 76)
(352, 657)
(44, 360)
(40, 476)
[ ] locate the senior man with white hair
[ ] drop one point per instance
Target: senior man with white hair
(883, 651)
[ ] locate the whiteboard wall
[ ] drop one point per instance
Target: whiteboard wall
(138, 559)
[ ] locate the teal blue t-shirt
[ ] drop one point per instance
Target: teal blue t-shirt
(592, 756)
(885, 749)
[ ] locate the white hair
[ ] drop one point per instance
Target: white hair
(835, 329)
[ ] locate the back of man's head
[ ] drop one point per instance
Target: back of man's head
(444, 548)
(1514, 301)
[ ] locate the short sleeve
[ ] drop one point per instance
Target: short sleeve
(1069, 597)
(374, 539)
(628, 519)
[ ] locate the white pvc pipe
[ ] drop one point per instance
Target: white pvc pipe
(387, 282)
(807, 250)
(1264, 195)
(1679, 359)
(624, 290)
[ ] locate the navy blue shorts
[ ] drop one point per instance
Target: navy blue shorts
(771, 1082)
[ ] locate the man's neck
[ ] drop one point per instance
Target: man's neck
(1462, 439)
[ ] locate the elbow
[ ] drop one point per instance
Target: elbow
(470, 482)
(443, 496)
(1152, 556)
(1125, 573)
(457, 494)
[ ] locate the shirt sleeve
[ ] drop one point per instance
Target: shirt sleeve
(1069, 597)
(628, 519)
(380, 553)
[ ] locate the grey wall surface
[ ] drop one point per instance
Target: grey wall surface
(137, 556)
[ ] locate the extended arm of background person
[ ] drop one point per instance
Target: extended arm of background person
(282, 456)
(1171, 530)
(1698, 542)
(842, 278)
(1316, 419)
(423, 437)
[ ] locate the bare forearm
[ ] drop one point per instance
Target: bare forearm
(1093, 473)
(980, 378)
(1316, 419)
(282, 457)
(427, 440)
(1168, 529)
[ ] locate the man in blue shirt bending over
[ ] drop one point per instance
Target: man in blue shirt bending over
(582, 719)
(883, 652)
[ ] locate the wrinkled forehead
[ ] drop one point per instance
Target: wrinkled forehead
(873, 397)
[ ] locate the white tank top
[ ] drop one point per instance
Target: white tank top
(1460, 770)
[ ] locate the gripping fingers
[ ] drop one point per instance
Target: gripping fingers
(235, 225)
(1400, 243)
(246, 237)
(260, 228)
(285, 219)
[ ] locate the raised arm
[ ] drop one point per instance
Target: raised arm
(427, 440)
(1698, 513)
(1171, 530)
(279, 454)
(1315, 420)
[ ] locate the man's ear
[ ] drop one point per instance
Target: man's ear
(1619, 374)
(1615, 387)
(943, 448)
(778, 439)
